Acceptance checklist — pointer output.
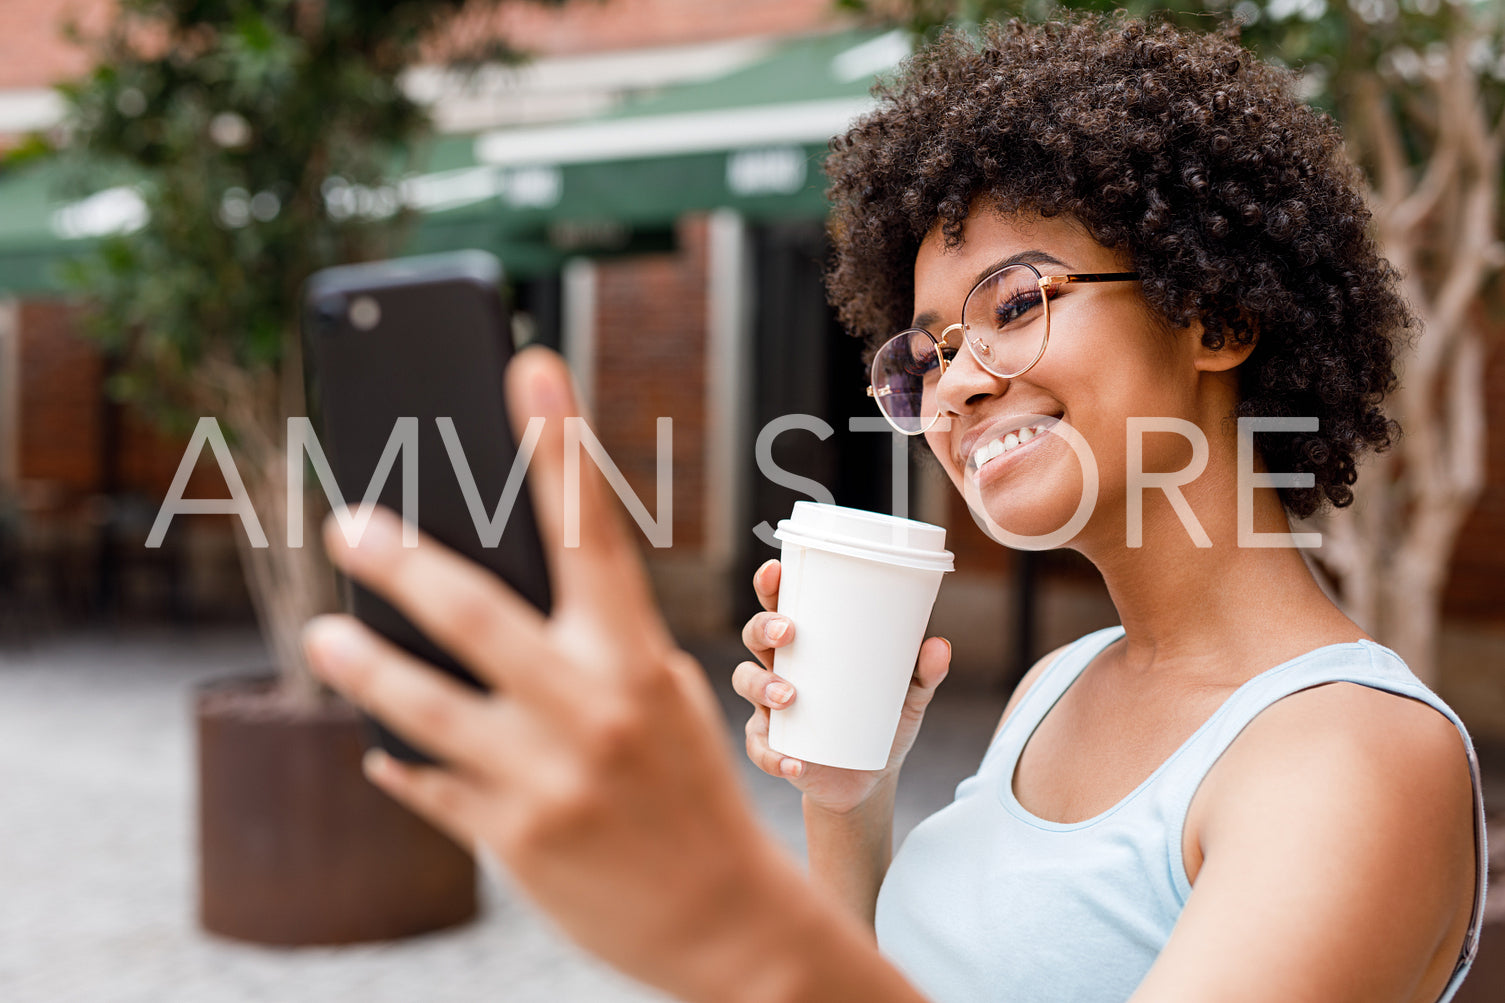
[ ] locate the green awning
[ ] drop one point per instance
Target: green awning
(35, 235)
(750, 140)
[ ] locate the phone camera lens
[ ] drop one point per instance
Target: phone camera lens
(365, 313)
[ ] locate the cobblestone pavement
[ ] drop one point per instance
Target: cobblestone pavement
(97, 851)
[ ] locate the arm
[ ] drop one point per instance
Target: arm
(825, 954)
(850, 850)
(1337, 858)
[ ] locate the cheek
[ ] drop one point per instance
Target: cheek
(1113, 371)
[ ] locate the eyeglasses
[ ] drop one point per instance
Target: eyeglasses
(1005, 325)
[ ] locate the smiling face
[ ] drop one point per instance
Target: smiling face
(1109, 358)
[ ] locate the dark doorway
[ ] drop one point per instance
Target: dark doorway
(804, 364)
(541, 299)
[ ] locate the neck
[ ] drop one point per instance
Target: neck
(1214, 612)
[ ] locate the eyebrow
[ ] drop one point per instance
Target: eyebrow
(1030, 257)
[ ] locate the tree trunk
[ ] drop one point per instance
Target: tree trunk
(288, 585)
(1389, 552)
(1411, 627)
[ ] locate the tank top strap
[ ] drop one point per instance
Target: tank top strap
(1363, 662)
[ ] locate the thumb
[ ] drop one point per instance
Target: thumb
(930, 669)
(591, 559)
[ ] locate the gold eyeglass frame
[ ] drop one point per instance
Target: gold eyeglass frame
(975, 345)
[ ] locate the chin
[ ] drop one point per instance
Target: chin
(1020, 516)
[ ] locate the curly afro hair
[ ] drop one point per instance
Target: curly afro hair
(1233, 198)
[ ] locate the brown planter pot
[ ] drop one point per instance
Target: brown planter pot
(295, 845)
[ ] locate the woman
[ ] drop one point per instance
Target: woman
(1121, 224)
(1235, 795)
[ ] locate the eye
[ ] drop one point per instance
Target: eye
(1016, 306)
(921, 359)
(930, 363)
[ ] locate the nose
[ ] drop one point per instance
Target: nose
(965, 384)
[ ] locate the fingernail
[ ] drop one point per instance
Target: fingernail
(791, 768)
(333, 642)
(777, 627)
(376, 763)
(382, 533)
(548, 396)
(779, 693)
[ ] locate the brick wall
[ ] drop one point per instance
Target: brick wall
(64, 427)
(63, 416)
(33, 51)
(62, 409)
(1478, 569)
(592, 26)
(651, 333)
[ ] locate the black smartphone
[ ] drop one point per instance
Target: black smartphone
(423, 338)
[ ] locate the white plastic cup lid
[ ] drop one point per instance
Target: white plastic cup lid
(871, 536)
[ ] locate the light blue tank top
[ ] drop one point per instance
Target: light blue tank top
(985, 901)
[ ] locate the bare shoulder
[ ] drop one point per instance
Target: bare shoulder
(1025, 682)
(1338, 855)
(1358, 732)
(1368, 789)
(1362, 748)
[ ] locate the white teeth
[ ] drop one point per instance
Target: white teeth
(1013, 440)
(987, 452)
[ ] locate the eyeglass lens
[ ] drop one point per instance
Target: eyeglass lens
(1006, 327)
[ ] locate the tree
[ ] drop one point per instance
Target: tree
(1419, 89)
(239, 123)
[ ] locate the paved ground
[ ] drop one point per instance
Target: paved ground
(97, 853)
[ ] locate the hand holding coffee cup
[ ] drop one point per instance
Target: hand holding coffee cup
(847, 639)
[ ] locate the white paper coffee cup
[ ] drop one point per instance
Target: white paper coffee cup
(858, 587)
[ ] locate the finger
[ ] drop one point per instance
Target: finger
(764, 632)
(766, 583)
(461, 606)
(451, 802)
(590, 554)
(433, 711)
(760, 687)
(775, 764)
(930, 671)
